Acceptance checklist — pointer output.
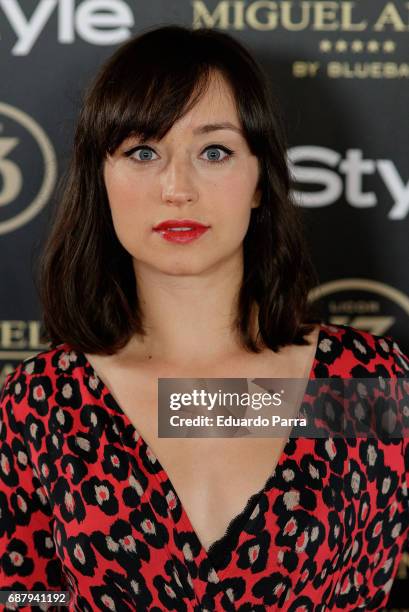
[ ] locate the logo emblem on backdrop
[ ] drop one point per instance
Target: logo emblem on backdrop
(363, 303)
(28, 168)
(345, 39)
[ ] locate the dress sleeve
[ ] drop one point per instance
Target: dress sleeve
(28, 559)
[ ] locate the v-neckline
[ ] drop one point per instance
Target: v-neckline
(145, 449)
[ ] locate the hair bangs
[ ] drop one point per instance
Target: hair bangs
(144, 101)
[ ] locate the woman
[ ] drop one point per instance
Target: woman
(179, 131)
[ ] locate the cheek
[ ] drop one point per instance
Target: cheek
(120, 193)
(237, 186)
(125, 201)
(233, 205)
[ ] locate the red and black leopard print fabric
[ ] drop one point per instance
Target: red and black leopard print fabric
(85, 506)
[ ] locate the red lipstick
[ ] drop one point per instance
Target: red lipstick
(180, 230)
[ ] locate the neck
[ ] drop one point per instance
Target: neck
(188, 319)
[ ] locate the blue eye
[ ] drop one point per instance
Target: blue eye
(146, 153)
(215, 155)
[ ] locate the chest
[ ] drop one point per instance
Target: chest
(213, 477)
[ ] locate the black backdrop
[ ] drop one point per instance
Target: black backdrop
(340, 70)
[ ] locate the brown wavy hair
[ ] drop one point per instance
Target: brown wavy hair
(86, 281)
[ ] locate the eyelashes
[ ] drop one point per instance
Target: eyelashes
(229, 154)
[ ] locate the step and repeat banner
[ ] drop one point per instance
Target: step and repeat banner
(341, 72)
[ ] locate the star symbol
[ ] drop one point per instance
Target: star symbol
(373, 46)
(341, 46)
(389, 46)
(357, 46)
(325, 45)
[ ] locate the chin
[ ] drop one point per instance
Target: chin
(183, 269)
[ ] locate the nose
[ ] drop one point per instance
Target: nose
(177, 183)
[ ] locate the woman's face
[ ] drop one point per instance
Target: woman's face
(201, 174)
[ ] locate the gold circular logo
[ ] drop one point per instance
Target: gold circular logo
(12, 176)
(362, 303)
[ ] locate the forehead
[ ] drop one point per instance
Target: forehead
(216, 104)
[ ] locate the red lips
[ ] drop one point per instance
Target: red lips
(180, 231)
(169, 223)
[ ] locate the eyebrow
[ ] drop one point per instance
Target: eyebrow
(212, 127)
